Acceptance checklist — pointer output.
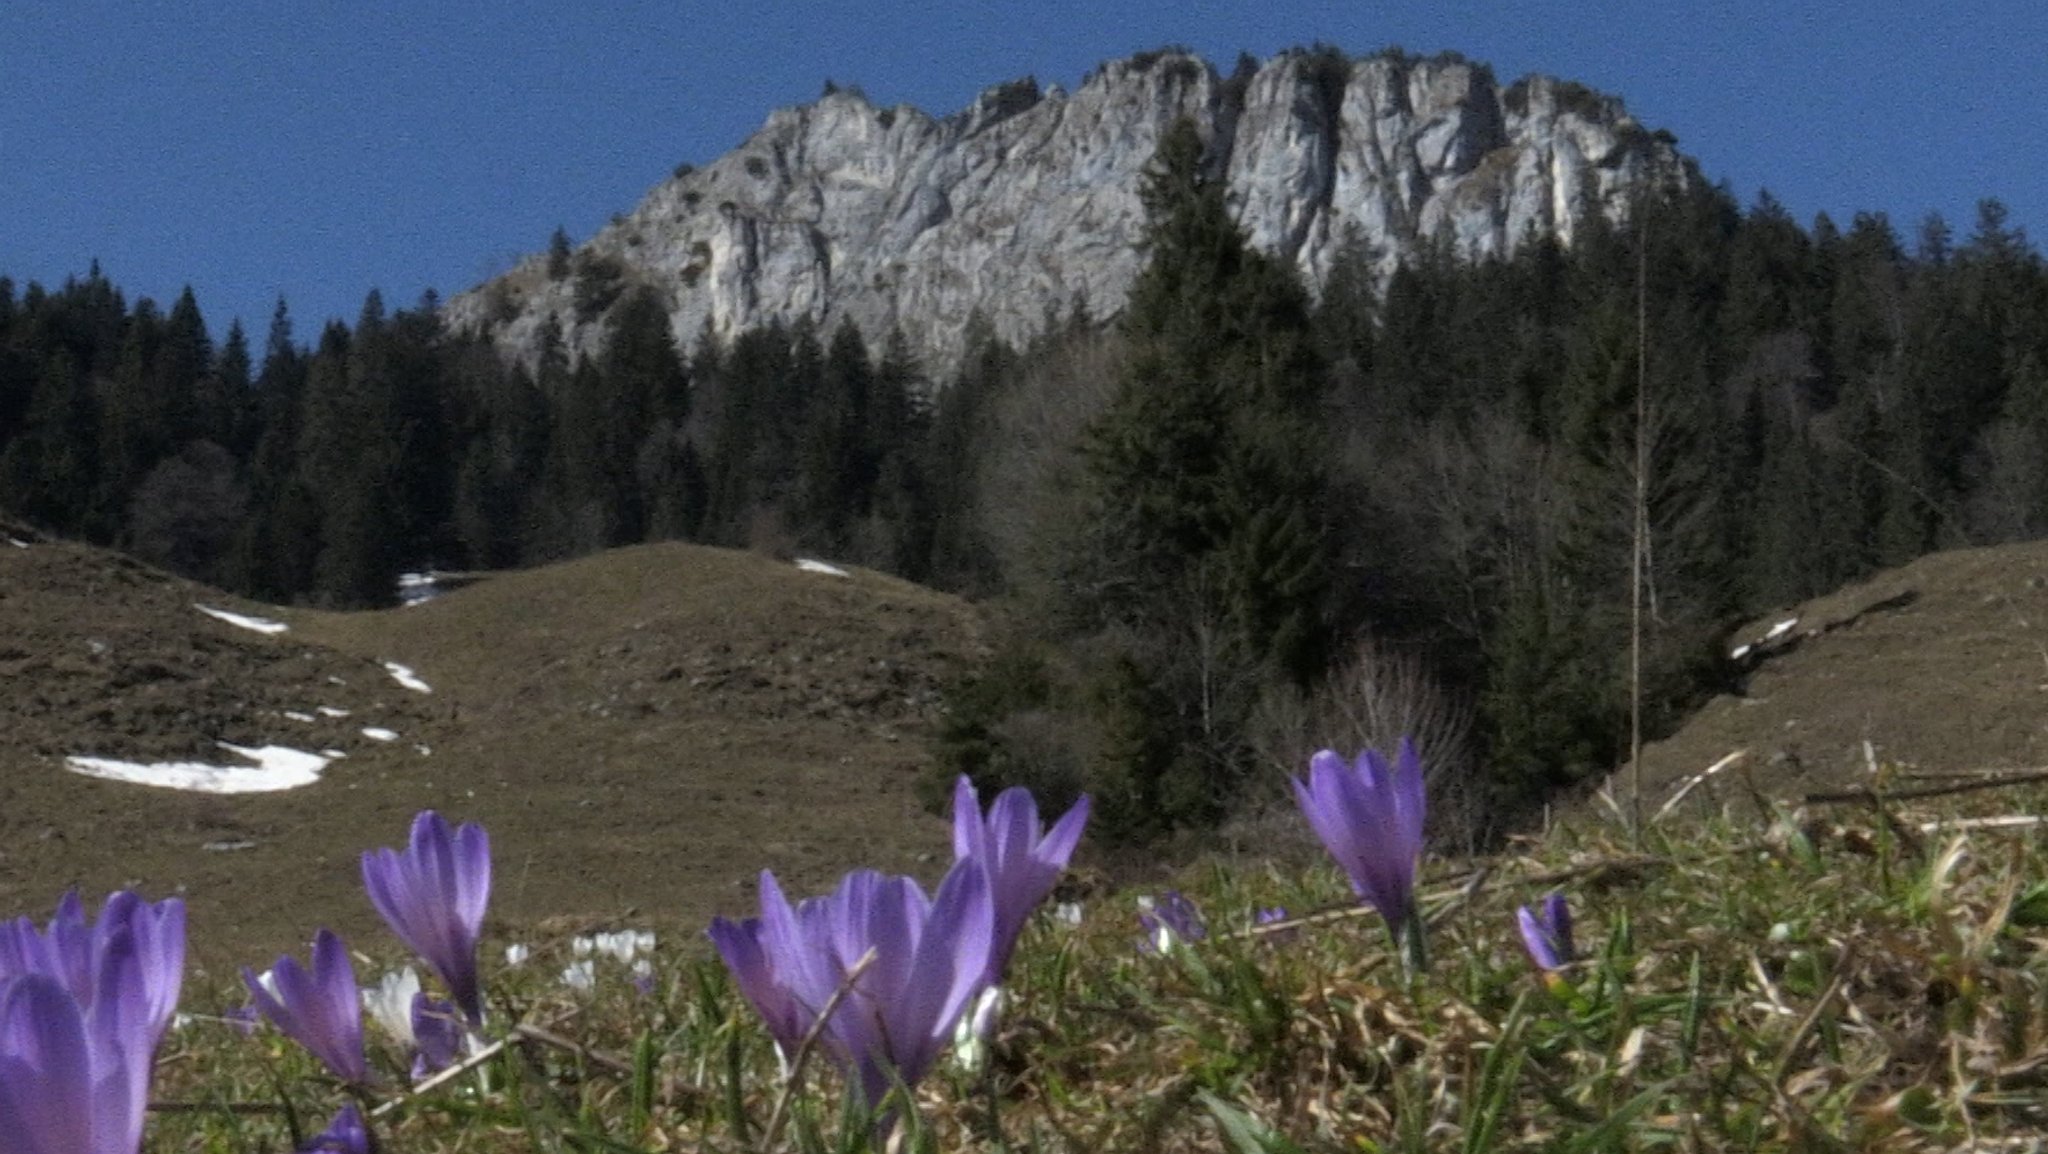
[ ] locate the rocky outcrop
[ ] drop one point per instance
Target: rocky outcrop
(1026, 204)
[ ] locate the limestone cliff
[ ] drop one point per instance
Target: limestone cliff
(1027, 202)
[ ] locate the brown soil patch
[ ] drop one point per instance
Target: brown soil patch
(641, 732)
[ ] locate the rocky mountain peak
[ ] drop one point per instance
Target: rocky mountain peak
(1025, 203)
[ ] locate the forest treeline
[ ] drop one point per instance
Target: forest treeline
(1235, 522)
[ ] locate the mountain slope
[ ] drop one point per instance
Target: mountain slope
(1026, 204)
(1940, 665)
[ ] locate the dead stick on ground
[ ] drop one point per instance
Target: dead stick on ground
(443, 1078)
(1879, 797)
(1696, 779)
(550, 1038)
(1466, 890)
(1790, 1052)
(217, 1107)
(777, 1116)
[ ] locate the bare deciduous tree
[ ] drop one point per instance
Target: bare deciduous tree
(1027, 484)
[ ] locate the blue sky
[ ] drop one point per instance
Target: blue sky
(318, 150)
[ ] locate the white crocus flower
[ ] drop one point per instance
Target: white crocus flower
(390, 1003)
(970, 1037)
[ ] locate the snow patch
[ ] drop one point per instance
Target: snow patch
(275, 768)
(406, 677)
(330, 711)
(297, 715)
(17, 542)
(417, 588)
(1739, 652)
(243, 620)
(810, 566)
(379, 733)
(1781, 628)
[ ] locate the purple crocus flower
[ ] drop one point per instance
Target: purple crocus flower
(1369, 816)
(433, 896)
(1547, 934)
(345, 1135)
(1169, 920)
(931, 958)
(73, 951)
(437, 1034)
(74, 1072)
(1266, 916)
(321, 1010)
(759, 980)
(1023, 860)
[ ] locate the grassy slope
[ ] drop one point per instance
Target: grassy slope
(641, 731)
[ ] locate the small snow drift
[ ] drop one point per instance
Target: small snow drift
(243, 621)
(275, 768)
(406, 677)
(810, 566)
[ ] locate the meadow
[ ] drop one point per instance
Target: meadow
(1868, 975)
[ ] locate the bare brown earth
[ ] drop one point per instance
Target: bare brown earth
(641, 732)
(1941, 666)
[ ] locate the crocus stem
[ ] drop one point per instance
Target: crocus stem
(1411, 941)
(988, 1087)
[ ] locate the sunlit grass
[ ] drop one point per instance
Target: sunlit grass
(1838, 981)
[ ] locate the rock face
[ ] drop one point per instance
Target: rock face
(1026, 204)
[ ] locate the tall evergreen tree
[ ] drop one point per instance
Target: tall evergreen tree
(1206, 500)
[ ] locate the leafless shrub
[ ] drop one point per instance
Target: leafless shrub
(1373, 700)
(1029, 478)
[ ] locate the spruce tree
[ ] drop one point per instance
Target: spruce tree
(1205, 556)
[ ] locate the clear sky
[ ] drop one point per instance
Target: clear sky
(253, 148)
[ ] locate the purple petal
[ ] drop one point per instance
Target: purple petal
(321, 1010)
(46, 1072)
(1058, 847)
(1369, 816)
(949, 971)
(1023, 862)
(969, 834)
(802, 960)
(930, 957)
(739, 943)
(1558, 917)
(118, 978)
(434, 897)
(437, 1033)
(345, 1135)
